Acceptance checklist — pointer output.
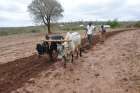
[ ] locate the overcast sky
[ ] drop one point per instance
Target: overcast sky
(14, 12)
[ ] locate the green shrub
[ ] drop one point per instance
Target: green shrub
(137, 24)
(113, 23)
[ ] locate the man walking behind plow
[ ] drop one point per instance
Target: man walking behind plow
(89, 34)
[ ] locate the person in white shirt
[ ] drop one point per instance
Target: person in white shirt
(89, 33)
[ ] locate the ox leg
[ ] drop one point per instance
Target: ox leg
(65, 61)
(80, 52)
(72, 58)
(54, 55)
(77, 52)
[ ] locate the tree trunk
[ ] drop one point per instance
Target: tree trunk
(48, 24)
(49, 27)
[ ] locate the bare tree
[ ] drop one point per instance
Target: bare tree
(45, 11)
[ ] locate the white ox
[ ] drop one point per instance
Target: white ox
(73, 46)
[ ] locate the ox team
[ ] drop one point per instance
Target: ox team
(61, 47)
(66, 49)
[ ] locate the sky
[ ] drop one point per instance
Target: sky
(14, 13)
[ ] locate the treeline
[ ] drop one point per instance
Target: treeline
(113, 23)
(66, 26)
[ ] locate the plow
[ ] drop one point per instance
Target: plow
(54, 48)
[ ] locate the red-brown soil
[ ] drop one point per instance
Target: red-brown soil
(18, 46)
(112, 67)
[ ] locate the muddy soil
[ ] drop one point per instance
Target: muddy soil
(112, 67)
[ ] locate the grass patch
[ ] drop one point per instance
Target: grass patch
(4, 31)
(19, 30)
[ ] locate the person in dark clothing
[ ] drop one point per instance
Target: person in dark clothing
(103, 33)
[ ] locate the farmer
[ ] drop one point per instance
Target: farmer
(89, 34)
(103, 33)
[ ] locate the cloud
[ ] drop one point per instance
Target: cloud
(103, 9)
(14, 12)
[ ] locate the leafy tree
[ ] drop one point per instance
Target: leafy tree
(45, 11)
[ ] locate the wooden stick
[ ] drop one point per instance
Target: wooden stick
(57, 40)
